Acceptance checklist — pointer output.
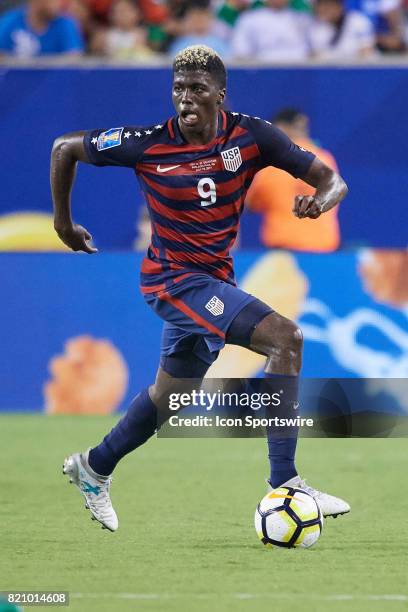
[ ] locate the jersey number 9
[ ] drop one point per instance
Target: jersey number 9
(207, 190)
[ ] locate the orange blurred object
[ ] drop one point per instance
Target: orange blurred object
(91, 377)
(153, 12)
(273, 193)
(385, 276)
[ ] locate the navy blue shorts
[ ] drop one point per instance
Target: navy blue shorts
(197, 312)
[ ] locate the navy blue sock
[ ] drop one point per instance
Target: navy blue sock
(282, 449)
(137, 426)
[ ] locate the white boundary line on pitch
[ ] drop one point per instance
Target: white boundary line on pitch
(242, 596)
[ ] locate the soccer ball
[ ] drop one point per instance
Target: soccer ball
(288, 517)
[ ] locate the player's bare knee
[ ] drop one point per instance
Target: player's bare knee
(159, 394)
(154, 395)
(284, 338)
(165, 386)
(296, 341)
(284, 350)
(292, 346)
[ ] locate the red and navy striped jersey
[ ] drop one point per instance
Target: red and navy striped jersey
(195, 193)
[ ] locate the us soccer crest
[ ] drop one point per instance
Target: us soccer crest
(232, 159)
(215, 306)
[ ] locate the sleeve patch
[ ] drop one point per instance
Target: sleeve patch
(110, 138)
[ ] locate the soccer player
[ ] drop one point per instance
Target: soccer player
(195, 170)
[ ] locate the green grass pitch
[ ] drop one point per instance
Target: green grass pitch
(186, 540)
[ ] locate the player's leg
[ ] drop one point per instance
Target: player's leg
(91, 471)
(141, 419)
(266, 332)
(281, 341)
(197, 312)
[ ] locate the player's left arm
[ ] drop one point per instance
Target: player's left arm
(331, 189)
(276, 149)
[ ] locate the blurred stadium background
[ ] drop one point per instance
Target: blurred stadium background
(76, 337)
(352, 301)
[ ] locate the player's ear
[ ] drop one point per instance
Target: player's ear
(221, 96)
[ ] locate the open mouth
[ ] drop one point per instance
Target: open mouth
(189, 117)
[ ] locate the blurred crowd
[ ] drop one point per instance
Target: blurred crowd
(240, 30)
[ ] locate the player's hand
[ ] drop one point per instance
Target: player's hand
(307, 206)
(76, 238)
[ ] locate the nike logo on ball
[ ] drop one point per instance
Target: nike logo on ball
(277, 496)
(167, 169)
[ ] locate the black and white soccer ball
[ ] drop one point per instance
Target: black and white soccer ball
(289, 518)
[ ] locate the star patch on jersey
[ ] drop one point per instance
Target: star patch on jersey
(110, 138)
(232, 159)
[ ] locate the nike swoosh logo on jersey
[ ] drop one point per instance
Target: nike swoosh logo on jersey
(167, 169)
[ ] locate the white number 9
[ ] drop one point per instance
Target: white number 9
(207, 190)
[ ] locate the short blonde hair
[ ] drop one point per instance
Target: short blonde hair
(200, 57)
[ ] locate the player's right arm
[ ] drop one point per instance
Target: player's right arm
(121, 146)
(67, 151)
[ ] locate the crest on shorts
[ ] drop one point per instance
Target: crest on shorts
(109, 139)
(232, 159)
(215, 306)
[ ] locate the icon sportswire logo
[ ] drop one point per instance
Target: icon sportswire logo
(168, 168)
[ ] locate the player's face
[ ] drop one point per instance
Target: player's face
(196, 98)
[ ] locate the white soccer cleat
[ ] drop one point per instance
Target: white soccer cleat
(94, 488)
(328, 504)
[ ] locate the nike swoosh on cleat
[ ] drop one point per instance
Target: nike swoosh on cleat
(167, 169)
